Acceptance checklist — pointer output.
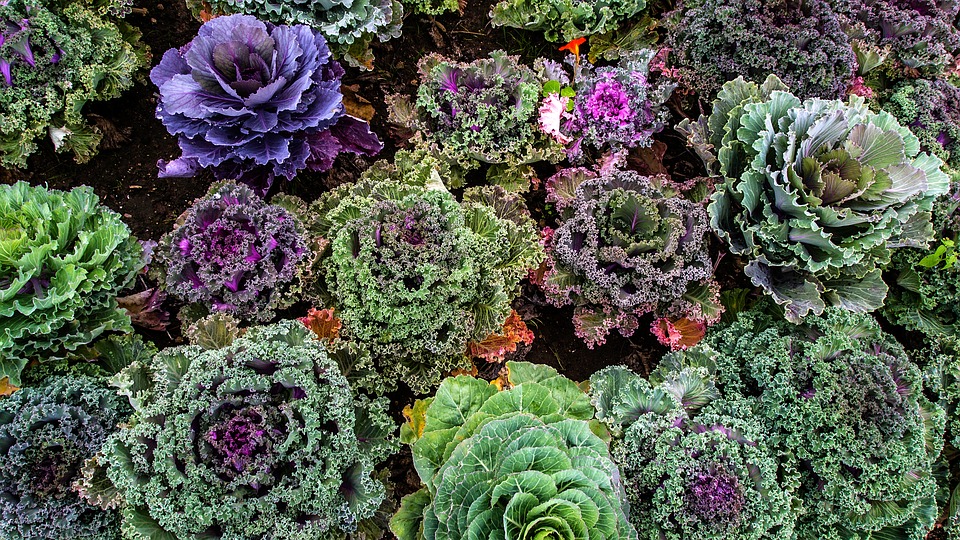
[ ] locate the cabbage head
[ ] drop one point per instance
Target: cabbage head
(63, 260)
(816, 193)
(513, 464)
(260, 439)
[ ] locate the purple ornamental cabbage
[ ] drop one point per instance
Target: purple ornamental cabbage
(253, 101)
(234, 253)
(617, 107)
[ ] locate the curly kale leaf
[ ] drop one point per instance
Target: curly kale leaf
(921, 34)
(627, 245)
(63, 260)
(483, 111)
(693, 467)
(350, 26)
(259, 439)
(816, 193)
(931, 109)
(565, 20)
(523, 462)
(47, 433)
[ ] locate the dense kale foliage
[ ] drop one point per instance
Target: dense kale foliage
(414, 274)
(55, 57)
(627, 245)
(693, 466)
(47, 434)
(844, 400)
(800, 41)
(262, 438)
(349, 26)
(234, 253)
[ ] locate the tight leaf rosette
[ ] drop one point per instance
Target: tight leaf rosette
(483, 111)
(234, 253)
(47, 434)
(349, 26)
(627, 245)
(519, 463)
(843, 399)
(692, 466)
(416, 275)
(816, 194)
(55, 57)
(64, 258)
(565, 20)
(261, 439)
(254, 101)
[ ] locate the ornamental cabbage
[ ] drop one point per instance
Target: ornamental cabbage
(63, 260)
(55, 56)
(614, 107)
(415, 275)
(627, 245)
(842, 397)
(47, 433)
(259, 439)
(234, 253)
(692, 466)
(349, 26)
(816, 193)
(920, 35)
(800, 41)
(254, 101)
(519, 463)
(565, 20)
(483, 111)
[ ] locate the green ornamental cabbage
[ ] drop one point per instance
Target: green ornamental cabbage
(63, 260)
(514, 464)
(414, 274)
(693, 466)
(816, 193)
(843, 399)
(261, 439)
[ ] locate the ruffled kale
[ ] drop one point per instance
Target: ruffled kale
(234, 253)
(800, 41)
(627, 245)
(262, 438)
(349, 26)
(55, 56)
(47, 435)
(416, 275)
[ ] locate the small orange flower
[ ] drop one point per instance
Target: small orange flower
(574, 46)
